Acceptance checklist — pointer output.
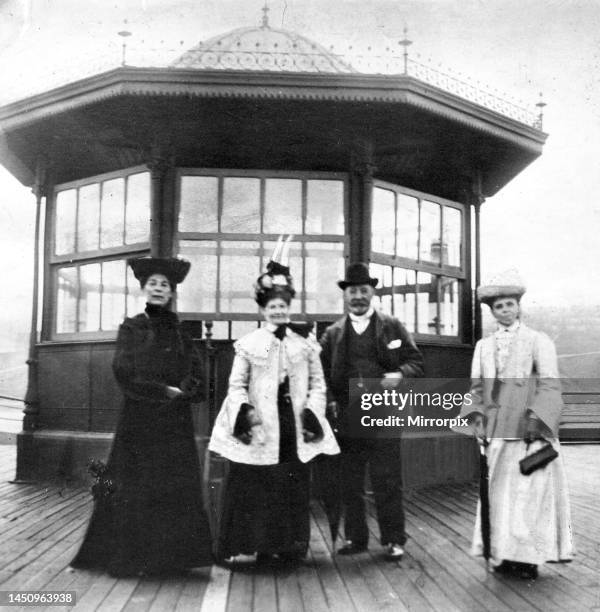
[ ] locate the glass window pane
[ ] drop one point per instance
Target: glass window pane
(88, 218)
(89, 297)
(452, 236)
(324, 207)
(137, 210)
(427, 318)
(283, 206)
(136, 300)
(449, 306)
(113, 294)
(294, 262)
(66, 207)
(404, 297)
(383, 291)
(199, 291)
(239, 268)
(324, 265)
(220, 330)
(383, 221)
(241, 205)
(198, 204)
(430, 232)
(408, 226)
(66, 300)
(241, 328)
(112, 219)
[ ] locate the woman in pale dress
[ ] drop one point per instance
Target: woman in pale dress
(515, 410)
(272, 423)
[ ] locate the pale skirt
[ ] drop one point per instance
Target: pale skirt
(530, 518)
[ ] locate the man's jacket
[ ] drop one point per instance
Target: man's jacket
(396, 352)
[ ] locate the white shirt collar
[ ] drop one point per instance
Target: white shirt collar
(272, 327)
(362, 317)
(510, 329)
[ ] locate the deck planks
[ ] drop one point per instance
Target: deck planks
(41, 527)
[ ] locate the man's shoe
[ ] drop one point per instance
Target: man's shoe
(394, 552)
(351, 548)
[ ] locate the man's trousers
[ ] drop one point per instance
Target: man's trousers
(385, 471)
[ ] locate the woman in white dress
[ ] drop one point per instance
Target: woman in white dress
(272, 423)
(515, 409)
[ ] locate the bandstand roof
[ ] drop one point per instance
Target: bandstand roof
(307, 104)
(262, 49)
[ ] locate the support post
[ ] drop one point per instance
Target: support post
(25, 439)
(363, 169)
(477, 202)
(160, 162)
(31, 409)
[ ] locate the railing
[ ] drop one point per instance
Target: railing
(12, 399)
(318, 60)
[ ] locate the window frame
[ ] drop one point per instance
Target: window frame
(76, 259)
(440, 269)
(219, 237)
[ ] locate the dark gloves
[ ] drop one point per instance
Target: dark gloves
(311, 428)
(192, 387)
(534, 430)
(245, 421)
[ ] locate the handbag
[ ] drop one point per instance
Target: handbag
(537, 460)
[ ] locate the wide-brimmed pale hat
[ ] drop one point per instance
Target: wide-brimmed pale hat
(174, 268)
(503, 284)
(357, 274)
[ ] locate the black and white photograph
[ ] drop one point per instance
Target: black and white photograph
(301, 305)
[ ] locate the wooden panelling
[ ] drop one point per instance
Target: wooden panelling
(451, 361)
(106, 397)
(64, 387)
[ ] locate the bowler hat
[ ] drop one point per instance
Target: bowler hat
(357, 274)
(174, 268)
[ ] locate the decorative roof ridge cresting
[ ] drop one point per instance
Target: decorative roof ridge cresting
(280, 53)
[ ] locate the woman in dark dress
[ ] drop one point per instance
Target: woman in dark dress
(149, 516)
(271, 424)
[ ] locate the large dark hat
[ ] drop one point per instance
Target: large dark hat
(357, 274)
(277, 281)
(174, 268)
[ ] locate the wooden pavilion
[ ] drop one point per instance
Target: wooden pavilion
(252, 134)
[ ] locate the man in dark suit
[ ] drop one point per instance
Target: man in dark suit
(369, 348)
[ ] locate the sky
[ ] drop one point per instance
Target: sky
(544, 223)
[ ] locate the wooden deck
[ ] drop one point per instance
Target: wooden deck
(42, 526)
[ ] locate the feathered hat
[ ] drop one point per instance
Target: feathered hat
(277, 281)
(503, 284)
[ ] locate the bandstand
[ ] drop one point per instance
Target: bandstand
(249, 135)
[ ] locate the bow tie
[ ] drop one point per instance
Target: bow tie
(302, 328)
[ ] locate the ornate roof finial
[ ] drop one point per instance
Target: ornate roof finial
(124, 34)
(406, 44)
(540, 118)
(265, 18)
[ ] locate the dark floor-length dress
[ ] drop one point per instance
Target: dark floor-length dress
(150, 518)
(266, 507)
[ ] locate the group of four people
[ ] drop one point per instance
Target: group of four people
(285, 392)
